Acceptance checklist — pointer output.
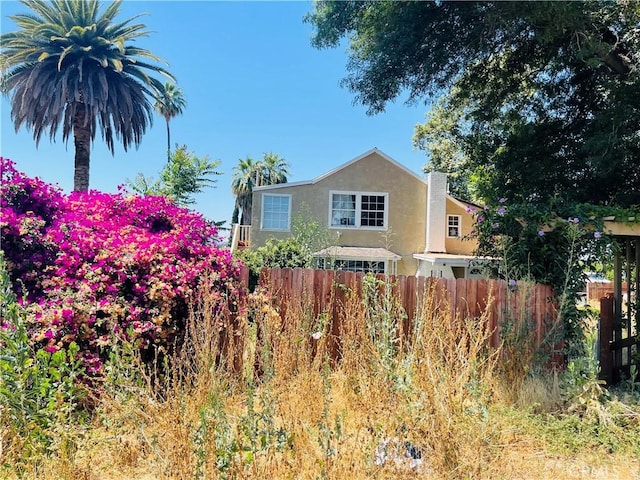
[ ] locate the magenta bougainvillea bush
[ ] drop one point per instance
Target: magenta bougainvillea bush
(95, 267)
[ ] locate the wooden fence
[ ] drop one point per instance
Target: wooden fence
(326, 290)
(598, 290)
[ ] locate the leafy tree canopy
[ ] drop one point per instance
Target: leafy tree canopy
(538, 99)
(184, 176)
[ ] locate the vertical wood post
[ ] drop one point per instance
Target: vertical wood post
(605, 338)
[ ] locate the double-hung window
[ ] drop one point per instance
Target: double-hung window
(367, 210)
(276, 212)
(343, 210)
(453, 226)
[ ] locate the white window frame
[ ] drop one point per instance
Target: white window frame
(359, 196)
(268, 229)
(457, 225)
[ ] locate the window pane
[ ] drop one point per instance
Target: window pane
(372, 211)
(343, 210)
(453, 226)
(276, 212)
(360, 266)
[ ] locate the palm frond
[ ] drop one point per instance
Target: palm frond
(70, 64)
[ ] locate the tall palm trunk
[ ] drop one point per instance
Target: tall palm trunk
(168, 141)
(82, 141)
(246, 211)
(246, 217)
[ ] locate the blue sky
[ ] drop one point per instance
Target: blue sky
(253, 84)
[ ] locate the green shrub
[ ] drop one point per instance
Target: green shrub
(39, 390)
(308, 236)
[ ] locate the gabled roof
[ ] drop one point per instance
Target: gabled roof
(358, 253)
(341, 167)
(462, 203)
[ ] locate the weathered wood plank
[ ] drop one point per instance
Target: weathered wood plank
(326, 291)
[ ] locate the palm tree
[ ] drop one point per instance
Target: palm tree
(248, 173)
(245, 176)
(170, 103)
(71, 65)
(275, 169)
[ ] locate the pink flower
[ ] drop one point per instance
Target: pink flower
(85, 257)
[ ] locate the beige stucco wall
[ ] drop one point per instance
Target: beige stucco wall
(462, 245)
(405, 234)
(407, 207)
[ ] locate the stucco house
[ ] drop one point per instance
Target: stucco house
(385, 217)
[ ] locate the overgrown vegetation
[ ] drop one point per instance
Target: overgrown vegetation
(95, 268)
(125, 351)
(247, 387)
(39, 390)
(257, 396)
(536, 244)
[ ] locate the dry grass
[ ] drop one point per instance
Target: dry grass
(292, 409)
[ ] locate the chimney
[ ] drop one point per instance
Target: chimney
(436, 212)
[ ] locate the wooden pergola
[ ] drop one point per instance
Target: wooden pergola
(620, 313)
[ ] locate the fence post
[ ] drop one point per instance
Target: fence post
(605, 338)
(244, 277)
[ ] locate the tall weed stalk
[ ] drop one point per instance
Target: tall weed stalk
(453, 370)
